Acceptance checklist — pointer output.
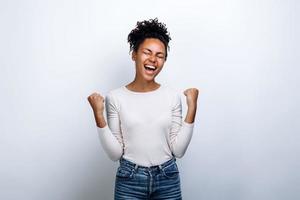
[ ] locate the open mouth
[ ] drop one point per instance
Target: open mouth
(150, 68)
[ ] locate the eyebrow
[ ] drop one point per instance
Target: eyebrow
(151, 51)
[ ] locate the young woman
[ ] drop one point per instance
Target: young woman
(144, 128)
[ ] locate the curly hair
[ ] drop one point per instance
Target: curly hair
(148, 29)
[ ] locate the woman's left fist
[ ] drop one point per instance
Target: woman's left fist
(191, 97)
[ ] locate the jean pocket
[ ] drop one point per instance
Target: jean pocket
(124, 172)
(171, 171)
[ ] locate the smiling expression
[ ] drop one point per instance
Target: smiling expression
(149, 58)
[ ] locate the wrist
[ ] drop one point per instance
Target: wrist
(100, 120)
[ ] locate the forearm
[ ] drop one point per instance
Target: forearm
(100, 120)
(181, 132)
(191, 113)
(109, 141)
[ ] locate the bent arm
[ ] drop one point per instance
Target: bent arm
(110, 133)
(181, 131)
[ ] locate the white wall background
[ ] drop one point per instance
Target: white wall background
(243, 55)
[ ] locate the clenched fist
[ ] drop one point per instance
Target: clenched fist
(97, 102)
(191, 97)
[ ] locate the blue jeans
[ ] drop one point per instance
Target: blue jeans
(157, 182)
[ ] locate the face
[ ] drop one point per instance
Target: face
(149, 58)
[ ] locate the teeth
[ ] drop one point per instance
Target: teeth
(151, 67)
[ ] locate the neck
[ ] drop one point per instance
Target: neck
(142, 85)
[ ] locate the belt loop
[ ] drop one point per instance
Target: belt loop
(135, 166)
(160, 167)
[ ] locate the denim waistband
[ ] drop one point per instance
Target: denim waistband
(130, 164)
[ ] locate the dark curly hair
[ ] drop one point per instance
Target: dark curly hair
(148, 29)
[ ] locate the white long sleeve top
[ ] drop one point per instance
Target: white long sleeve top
(144, 127)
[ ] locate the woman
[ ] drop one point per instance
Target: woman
(144, 128)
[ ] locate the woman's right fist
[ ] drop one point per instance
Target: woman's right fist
(96, 102)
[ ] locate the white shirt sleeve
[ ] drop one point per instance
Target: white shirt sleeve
(110, 136)
(181, 132)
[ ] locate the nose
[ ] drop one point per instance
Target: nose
(152, 58)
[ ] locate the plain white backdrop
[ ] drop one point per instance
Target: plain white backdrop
(242, 55)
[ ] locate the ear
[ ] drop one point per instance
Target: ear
(133, 55)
